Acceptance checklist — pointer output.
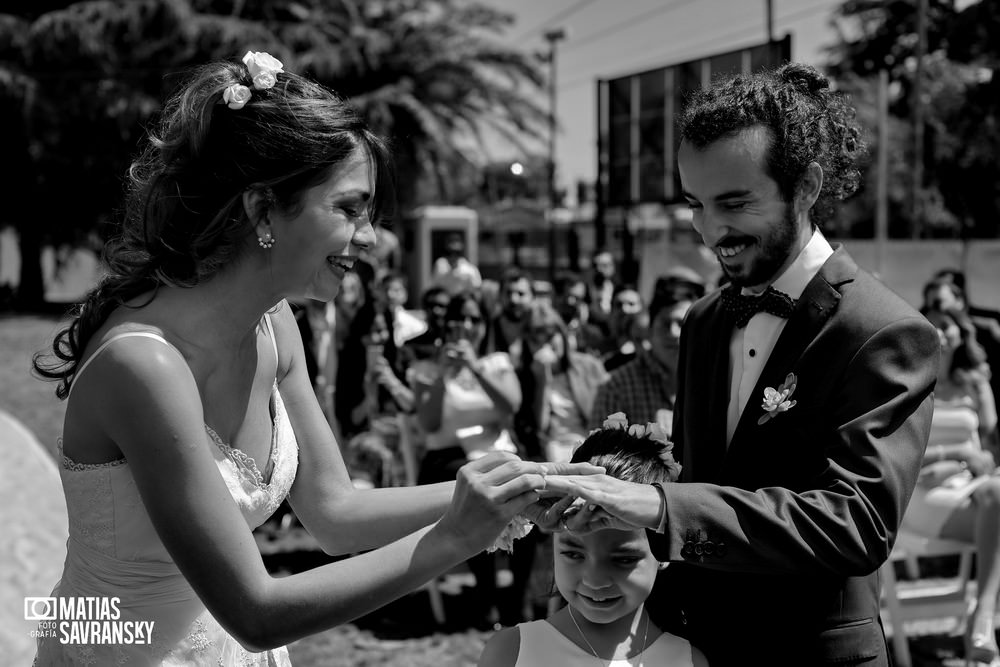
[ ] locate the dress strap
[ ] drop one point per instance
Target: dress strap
(270, 333)
(108, 342)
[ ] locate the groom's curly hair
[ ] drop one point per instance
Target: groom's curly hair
(808, 122)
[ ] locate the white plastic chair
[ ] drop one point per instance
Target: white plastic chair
(924, 599)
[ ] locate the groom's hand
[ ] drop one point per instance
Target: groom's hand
(601, 501)
(547, 511)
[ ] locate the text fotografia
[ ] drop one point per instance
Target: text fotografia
(85, 620)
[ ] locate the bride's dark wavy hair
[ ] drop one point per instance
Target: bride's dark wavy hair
(808, 122)
(184, 218)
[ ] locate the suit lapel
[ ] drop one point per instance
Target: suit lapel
(818, 302)
(713, 378)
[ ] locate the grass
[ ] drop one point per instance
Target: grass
(29, 399)
(399, 634)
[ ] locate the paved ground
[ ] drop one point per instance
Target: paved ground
(33, 516)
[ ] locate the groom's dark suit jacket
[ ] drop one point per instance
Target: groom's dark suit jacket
(776, 540)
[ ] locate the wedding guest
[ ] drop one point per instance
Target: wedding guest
(802, 440)
(504, 329)
(958, 279)
(453, 271)
(605, 576)
(946, 291)
(957, 497)
(558, 385)
(679, 283)
(603, 284)
(628, 325)
(571, 299)
(645, 389)
(189, 407)
(434, 305)
(406, 325)
(465, 405)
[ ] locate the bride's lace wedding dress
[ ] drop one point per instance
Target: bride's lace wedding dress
(114, 551)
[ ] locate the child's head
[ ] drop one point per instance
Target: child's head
(609, 573)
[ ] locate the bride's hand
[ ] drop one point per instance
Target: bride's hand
(493, 489)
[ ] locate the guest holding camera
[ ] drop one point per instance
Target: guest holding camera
(464, 403)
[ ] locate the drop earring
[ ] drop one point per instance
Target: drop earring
(266, 241)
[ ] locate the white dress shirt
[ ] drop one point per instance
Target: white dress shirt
(751, 346)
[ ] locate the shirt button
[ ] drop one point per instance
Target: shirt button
(753, 352)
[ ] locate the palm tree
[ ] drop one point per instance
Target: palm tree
(429, 74)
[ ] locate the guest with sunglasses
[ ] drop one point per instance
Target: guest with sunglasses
(465, 403)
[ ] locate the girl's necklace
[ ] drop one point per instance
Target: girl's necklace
(645, 635)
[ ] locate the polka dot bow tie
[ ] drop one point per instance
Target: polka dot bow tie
(744, 306)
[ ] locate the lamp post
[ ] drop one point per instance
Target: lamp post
(553, 37)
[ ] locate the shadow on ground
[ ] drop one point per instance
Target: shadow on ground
(404, 632)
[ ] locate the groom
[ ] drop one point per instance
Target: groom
(804, 399)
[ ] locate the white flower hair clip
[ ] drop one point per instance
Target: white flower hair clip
(263, 68)
(236, 96)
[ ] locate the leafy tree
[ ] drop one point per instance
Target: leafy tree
(80, 81)
(431, 75)
(18, 91)
(960, 195)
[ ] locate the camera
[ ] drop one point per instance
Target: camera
(39, 609)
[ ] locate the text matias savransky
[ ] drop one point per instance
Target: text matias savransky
(88, 621)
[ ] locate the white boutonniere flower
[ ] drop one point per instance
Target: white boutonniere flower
(778, 400)
(263, 67)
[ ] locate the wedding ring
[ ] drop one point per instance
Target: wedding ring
(545, 481)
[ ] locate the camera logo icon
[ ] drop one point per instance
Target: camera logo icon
(40, 609)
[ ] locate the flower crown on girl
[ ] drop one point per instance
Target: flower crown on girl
(653, 432)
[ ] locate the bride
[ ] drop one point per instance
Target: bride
(190, 415)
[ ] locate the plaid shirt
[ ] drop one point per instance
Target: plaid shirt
(639, 388)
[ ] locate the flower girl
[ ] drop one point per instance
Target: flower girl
(605, 575)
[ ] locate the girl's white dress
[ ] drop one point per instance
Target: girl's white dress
(542, 644)
(113, 551)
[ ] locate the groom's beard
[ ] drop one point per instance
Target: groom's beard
(771, 253)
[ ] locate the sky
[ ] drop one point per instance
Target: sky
(610, 38)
